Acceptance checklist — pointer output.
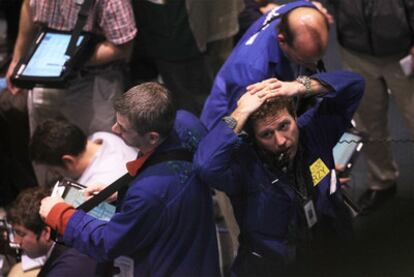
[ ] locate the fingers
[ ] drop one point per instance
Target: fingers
(89, 192)
(95, 189)
(268, 7)
(264, 86)
(14, 90)
(344, 180)
(324, 11)
(266, 93)
(261, 85)
(340, 167)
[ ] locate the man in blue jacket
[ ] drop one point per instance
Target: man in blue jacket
(164, 224)
(286, 42)
(281, 181)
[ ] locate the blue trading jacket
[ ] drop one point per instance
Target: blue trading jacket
(265, 210)
(165, 223)
(256, 57)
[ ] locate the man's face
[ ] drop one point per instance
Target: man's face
(277, 133)
(124, 129)
(32, 245)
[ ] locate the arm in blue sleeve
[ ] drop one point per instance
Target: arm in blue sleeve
(134, 227)
(346, 92)
(214, 160)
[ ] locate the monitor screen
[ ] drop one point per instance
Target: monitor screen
(49, 57)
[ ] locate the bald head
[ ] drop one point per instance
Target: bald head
(303, 35)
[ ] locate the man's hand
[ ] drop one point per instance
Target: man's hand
(339, 169)
(324, 11)
(96, 188)
(250, 101)
(264, 9)
(276, 88)
(412, 60)
(47, 204)
(12, 88)
(254, 98)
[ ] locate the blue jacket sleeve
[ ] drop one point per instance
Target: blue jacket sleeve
(214, 161)
(129, 230)
(332, 115)
(348, 88)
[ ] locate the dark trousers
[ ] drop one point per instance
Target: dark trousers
(189, 81)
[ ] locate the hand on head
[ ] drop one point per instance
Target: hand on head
(274, 87)
(324, 11)
(257, 94)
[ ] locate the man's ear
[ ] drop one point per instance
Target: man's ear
(153, 138)
(46, 234)
(69, 161)
(281, 39)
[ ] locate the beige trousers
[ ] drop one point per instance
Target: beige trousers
(383, 79)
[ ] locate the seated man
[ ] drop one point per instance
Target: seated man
(164, 223)
(281, 180)
(35, 240)
(64, 147)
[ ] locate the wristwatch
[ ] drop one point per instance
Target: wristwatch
(306, 82)
(230, 121)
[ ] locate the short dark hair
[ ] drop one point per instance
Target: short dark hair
(55, 138)
(148, 107)
(272, 107)
(24, 210)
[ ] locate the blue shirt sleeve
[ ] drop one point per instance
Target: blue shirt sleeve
(134, 227)
(332, 115)
(214, 161)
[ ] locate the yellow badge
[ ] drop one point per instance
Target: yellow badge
(318, 170)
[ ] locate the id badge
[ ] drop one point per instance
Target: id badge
(310, 213)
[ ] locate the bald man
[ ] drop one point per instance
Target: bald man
(286, 43)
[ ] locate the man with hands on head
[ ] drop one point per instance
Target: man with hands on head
(280, 178)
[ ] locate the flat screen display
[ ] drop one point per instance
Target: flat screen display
(49, 57)
(345, 148)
